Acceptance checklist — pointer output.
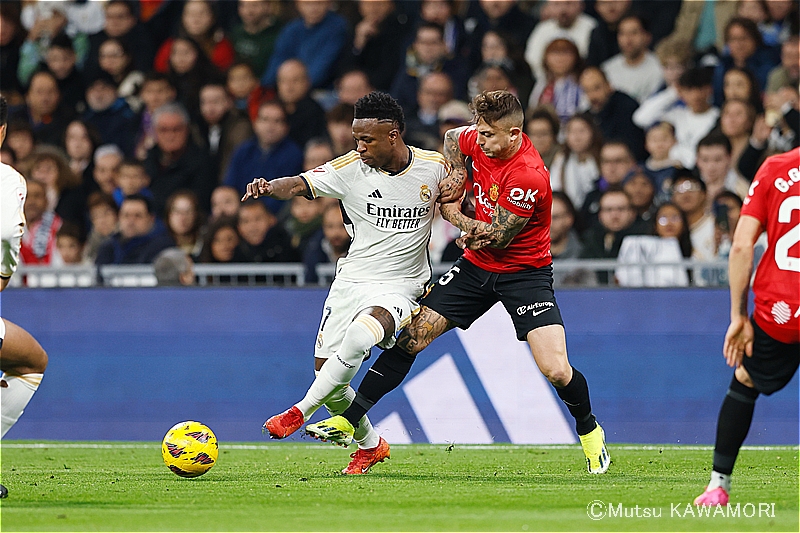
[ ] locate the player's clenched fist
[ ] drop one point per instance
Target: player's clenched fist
(257, 187)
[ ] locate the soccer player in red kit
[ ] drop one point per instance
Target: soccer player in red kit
(507, 259)
(770, 338)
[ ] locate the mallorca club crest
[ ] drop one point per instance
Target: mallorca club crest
(424, 193)
(494, 192)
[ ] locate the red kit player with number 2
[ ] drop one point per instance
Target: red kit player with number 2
(764, 348)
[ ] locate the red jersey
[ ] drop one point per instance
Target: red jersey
(522, 186)
(774, 199)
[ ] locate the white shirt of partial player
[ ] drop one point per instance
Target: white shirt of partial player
(390, 215)
(12, 219)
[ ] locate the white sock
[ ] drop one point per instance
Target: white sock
(15, 397)
(362, 334)
(365, 436)
(719, 480)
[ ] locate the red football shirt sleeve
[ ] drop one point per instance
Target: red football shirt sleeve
(755, 204)
(523, 189)
(467, 140)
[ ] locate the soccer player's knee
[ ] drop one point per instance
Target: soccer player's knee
(743, 377)
(39, 361)
(362, 334)
(559, 376)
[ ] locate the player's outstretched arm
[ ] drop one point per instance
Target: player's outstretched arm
(452, 188)
(504, 227)
(279, 188)
(739, 337)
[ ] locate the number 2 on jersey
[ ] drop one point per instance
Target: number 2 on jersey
(792, 237)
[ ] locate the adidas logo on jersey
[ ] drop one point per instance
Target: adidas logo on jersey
(375, 194)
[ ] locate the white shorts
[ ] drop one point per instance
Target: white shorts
(346, 299)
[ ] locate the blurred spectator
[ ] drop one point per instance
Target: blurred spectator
(221, 127)
(42, 109)
(740, 84)
(224, 202)
(157, 90)
(559, 87)
(109, 114)
(616, 164)
(352, 85)
(453, 114)
(376, 42)
(107, 160)
(674, 58)
(316, 38)
(38, 245)
(333, 247)
(103, 213)
(636, 71)
(641, 191)
(7, 156)
(714, 167)
(703, 24)
(174, 267)
(80, 142)
(782, 21)
(199, 23)
(62, 186)
(304, 224)
(121, 23)
(427, 53)
(132, 178)
(496, 15)
(500, 48)
(176, 162)
(564, 241)
(139, 239)
(60, 59)
(444, 13)
(422, 127)
(612, 111)
(565, 19)
(787, 74)
(340, 128)
(671, 222)
(305, 117)
(69, 243)
(247, 94)
(491, 77)
(576, 168)
(661, 166)
(43, 20)
(316, 153)
(616, 221)
(221, 243)
(692, 122)
(19, 137)
(263, 239)
(116, 60)
(603, 39)
(744, 49)
(726, 208)
(736, 121)
(689, 194)
(543, 128)
(12, 36)
(184, 220)
(189, 69)
(254, 39)
(269, 153)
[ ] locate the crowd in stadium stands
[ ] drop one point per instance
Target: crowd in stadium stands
(139, 124)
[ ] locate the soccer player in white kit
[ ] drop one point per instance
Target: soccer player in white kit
(387, 192)
(22, 359)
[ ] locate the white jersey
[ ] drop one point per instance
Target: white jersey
(12, 219)
(388, 216)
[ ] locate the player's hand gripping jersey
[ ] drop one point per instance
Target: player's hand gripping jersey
(522, 186)
(12, 219)
(774, 199)
(387, 215)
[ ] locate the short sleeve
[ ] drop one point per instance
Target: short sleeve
(330, 180)
(467, 141)
(756, 201)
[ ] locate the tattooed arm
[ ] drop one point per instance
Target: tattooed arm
(504, 227)
(452, 187)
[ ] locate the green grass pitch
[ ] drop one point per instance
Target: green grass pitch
(60, 486)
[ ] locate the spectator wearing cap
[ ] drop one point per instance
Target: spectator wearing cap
(109, 114)
(689, 194)
(139, 240)
(422, 127)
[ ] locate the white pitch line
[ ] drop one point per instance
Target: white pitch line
(323, 446)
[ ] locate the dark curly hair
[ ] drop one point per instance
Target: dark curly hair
(381, 106)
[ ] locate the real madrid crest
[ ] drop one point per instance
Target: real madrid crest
(424, 193)
(494, 192)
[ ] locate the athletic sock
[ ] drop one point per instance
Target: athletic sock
(575, 396)
(362, 334)
(386, 374)
(365, 436)
(15, 397)
(735, 417)
(719, 480)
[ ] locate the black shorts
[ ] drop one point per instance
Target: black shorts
(773, 364)
(466, 292)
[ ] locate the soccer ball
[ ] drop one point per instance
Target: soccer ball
(189, 449)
